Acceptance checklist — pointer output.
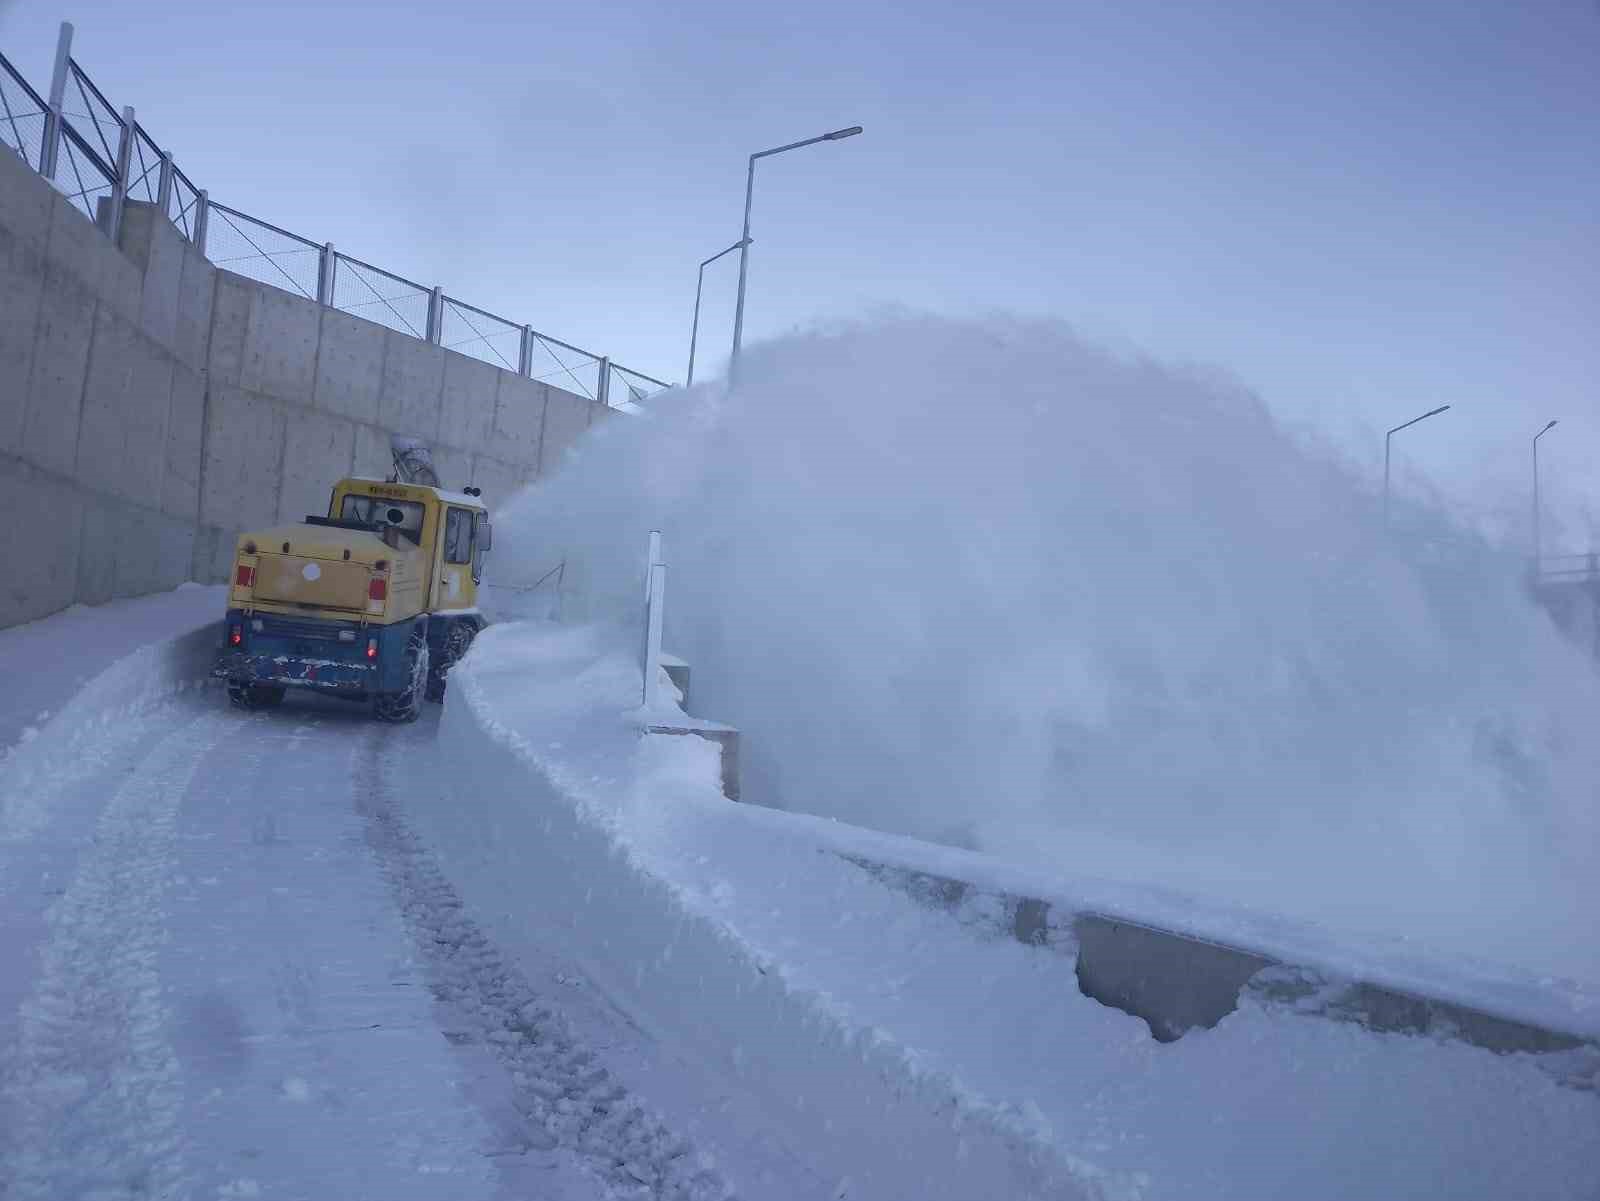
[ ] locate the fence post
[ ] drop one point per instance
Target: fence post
(327, 264)
(119, 186)
(436, 316)
(603, 389)
(202, 217)
(49, 151)
(525, 354)
(164, 191)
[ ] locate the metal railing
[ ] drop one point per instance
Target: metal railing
(101, 158)
(1571, 569)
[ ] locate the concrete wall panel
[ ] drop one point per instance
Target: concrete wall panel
(319, 451)
(123, 436)
(519, 420)
(55, 380)
(156, 249)
(97, 553)
(230, 319)
(374, 461)
(413, 381)
(186, 415)
(453, 465)
(498, 479)
(25, 207)
(349, 366)
(175, 552)
(139, 550)
(280, 346)
(467, 411)
(21, 284)
(244, 456)
(43, 532)
(566, 417)
(193, 328)
(213, 555)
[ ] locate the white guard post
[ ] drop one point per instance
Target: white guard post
(652, 634)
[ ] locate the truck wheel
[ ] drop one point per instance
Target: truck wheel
(254, 696)
(456, 641)
(405, 705)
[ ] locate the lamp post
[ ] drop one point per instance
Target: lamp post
(1538, 542)
(744, 242)
(1386, 438)
(694, 330)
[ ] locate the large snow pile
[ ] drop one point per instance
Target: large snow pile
(886, 1048)
(985, 584)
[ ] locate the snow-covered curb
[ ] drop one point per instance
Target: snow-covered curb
(927, 1060)
(73, 740)
(537, 865)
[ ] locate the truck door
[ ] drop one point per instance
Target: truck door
(457, 585)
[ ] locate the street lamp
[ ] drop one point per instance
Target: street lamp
(1391, 434)
(1538, 543)
(744, 243)
(694, 330)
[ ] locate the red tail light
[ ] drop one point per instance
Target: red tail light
(377, 588)
(235, 635)
(372, 648)
(245, 577)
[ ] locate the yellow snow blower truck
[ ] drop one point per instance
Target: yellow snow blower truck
(373, 602)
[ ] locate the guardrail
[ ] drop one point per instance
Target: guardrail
(100, 158)
(1555, 569)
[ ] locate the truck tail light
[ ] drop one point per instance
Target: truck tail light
(245, 577)
(372, 648)
(235, 634)
(377, 588)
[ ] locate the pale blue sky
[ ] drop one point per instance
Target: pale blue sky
(1363, 209)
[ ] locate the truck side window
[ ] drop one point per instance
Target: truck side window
(482, 543)
(458, 536)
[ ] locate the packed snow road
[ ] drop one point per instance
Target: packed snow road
(232, 972)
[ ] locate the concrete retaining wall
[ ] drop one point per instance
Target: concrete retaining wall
(152, 406)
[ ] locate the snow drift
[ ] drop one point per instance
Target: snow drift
(982, 583)
(891, 1050)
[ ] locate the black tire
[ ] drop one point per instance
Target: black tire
(406, 705)
(456, 641)
(255, 696)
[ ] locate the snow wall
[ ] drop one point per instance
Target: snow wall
(985, 584)
(903, 1049)
(100, 718)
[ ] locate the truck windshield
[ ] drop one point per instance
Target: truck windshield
(380, 510)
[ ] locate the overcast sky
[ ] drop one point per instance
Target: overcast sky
(1362, 210)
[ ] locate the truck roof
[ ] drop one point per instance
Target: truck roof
(452, 498)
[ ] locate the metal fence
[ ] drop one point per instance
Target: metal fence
(100, 158)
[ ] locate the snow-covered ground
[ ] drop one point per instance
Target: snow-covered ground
(521, 950)
(231, 971)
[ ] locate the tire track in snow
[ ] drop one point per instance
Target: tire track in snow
(566, 1098)
(92, 1090)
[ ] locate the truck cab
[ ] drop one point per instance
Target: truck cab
(372, 602)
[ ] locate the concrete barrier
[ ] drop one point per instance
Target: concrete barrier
(1178, 981)
(152, 405)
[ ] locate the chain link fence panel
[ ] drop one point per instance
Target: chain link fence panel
(481, 335)
(86, 107)
(240, 243)
(183, 204)
(144, 167)
(22, 115)
(366, 291)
